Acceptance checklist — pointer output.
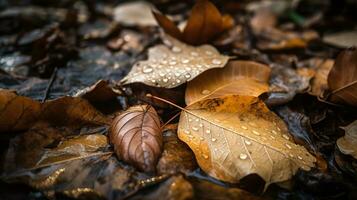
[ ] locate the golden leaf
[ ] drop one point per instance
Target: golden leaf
(238, 77)
(347, 143)
(170, 68)
(237, 135)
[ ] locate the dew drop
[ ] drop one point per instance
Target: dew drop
(153, 80)
(274, 132)
(178, 81)
(184, 61)
(165, 80)
(272, 137)
(172, 62)
(147, 69)
(209, 52)
(195, 128)
(176, 49)
(278, 128)
(164, 62)
(197, 120)
(200, 125)
(208, 131)
(191, 136)
(244, 127)
(177, 74)
(252, 124)
(161, 74)
(194, 53)
(190, 120)
(214, 139)
(247, 142)
(204, 156)
(201, 138)
(299, 157)
(256, 132)
(216, 61)
(187, 131)
(205, 92)
(288, 146)
(286, 137)
(188, 68)
(187, 76)
(199, 66)
(243, 156)
(291, 155)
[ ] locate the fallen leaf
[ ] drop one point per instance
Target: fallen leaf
(19, 113)
(238, 77)
(347, 143)
(319, 81)
(176, 157)
(210, 191)
(204, 23)
(101, 91)
(343, 39)
(136, 136)
(342, 79)
(170, 68)
(135, 13)
(175, 188)
(263, 19)
(236, 136)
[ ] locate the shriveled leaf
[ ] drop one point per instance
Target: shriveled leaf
(101, 91)
(319, 81)
(136, 136)
(170, 68)
(20, 113)
(236, 136)
(348, 143)
(204, 23)
(342, 39)
(176, 157)
(168, 25)
(238, 77)
(342, 79)
(135, 13)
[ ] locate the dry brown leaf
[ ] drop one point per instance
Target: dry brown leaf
(348, 143)
(19, 113)
(101, 91)
(136, 136)
(343, 39)
(236, 136)
(204, 24)
(322, 68)
(342, 79)
(238, 77)
(170, 68)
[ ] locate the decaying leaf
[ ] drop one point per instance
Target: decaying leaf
(319, 81)
(101, 91)
(136, 136)
(342, 79)
(176, 157)
(236, 136)
(342, 39)
(170, 68)
(238, 77)
(348, 143)
(135, 13)
(20, 113)
(204, 24)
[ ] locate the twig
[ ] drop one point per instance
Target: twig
(50, 83)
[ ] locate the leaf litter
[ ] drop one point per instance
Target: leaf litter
(235, 64)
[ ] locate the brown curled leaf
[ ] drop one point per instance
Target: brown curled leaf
(18, 113)
(342, 79)
(136, 136)
(203, 25)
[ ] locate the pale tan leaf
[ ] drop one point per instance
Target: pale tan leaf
(236, 136)
(319, 81)
(342, 39)
(135, 13)
(348, 143)
(170, 67)
(238, 77)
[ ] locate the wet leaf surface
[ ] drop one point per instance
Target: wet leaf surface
(347, 143)
(137, 138)
(170, 67)
(212, 131)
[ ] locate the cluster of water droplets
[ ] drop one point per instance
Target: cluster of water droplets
(198, 130)
(172, 67)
